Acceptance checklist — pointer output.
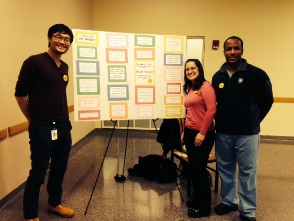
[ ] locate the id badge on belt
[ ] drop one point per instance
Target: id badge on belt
(54, 135)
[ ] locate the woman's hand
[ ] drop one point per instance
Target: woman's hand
(199, 139)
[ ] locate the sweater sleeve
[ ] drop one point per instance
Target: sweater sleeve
(209, 99)
(264, 95)
(25, 78)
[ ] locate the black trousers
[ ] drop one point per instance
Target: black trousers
(197, 171)
(44, 150)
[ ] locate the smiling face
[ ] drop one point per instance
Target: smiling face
(59, 43)
(192, 71)
(233, 51)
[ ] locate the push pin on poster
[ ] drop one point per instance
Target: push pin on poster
(215, 44)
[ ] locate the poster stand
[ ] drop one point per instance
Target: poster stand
(121, 177)
(114, 124)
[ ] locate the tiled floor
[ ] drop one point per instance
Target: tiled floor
(137, 199)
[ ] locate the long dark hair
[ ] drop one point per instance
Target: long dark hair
(199, 80)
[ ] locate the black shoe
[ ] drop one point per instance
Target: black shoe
(246, 218)
(190, 203)
(196, 213)
(223, 209)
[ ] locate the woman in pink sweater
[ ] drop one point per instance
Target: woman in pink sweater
(200, 103)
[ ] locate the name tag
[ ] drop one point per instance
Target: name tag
(54, 134)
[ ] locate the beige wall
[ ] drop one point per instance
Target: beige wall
(264, 25)
(24, 26)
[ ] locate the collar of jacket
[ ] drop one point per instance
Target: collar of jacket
(243, 66)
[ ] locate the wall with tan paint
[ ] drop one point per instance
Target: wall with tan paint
(264, 25)
(24, 26)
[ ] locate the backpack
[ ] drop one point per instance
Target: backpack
(154, 168)
(167, 172)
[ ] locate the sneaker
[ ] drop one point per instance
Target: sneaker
(36, 219)
(223, 209)
(247, 218)
(61, 210)
(196, 213)
(190, 203)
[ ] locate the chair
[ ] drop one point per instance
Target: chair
(169, 130)
(184, 162)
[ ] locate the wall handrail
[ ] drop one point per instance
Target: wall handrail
(284, 99)
(17, 128)
(3, 134)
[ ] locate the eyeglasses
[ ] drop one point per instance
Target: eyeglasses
(59, 38)
(192, 69)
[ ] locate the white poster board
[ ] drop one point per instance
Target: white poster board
(123, 76)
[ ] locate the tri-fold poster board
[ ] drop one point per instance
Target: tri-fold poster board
(121, 76)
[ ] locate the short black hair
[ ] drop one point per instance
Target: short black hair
(233, 37)
(61, 28)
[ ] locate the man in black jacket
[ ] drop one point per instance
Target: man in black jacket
(244, 97)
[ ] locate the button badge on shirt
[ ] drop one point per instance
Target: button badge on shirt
(240, 80)
(65, 78)
(221, 85)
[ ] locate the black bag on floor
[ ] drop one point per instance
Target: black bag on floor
(154, 167)
(167, 172)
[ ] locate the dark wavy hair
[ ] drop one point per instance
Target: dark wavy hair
(62, 29)
(199, 80)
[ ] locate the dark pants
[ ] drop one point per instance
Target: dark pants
(198, 157)
(43, 151)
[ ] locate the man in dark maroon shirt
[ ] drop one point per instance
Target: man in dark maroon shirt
(41, 95)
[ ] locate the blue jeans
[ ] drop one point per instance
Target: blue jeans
(241, 151)
(44, 149)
